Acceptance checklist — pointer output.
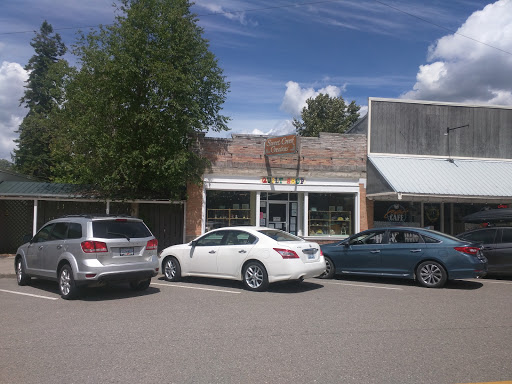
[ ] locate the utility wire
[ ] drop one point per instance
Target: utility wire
(300, 5)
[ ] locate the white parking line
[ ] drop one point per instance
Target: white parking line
(29, 294)
(501, 282)
(365, 286)
(202, 289)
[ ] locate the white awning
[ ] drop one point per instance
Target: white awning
(420, 178)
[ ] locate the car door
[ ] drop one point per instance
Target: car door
(36, 249)
(401, 252)
(360, 253)
(502, 262)
(203, 255)
(233, 252)
(53, 248)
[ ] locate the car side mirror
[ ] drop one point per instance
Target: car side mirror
(27, 238)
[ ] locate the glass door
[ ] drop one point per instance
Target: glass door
(277, 215)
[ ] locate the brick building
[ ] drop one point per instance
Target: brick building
(319, 192)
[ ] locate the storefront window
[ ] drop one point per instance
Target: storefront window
(390, 214)
(229, 209)
(331, 214)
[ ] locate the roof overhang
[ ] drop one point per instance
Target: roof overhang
(433, 179)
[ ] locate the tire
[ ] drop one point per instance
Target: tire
(67, 287)
(329, 270)
(140, 285)
(431, 274)
(21, 275)
(171, 269)
(255, 276)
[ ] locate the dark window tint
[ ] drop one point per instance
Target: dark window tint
(430, 240)
(59, 231)
(43, 234)
(240, 238)
(404, 237)
(74, 231)
(211, 239)
(368, 238)
(484, 236)
(119, 229)
(506, 237)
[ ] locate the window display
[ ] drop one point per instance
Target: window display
(330, 214)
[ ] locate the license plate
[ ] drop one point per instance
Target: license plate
(310, 257)
(125, 251)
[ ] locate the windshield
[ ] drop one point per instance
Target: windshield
(278, 235)
(112, 229)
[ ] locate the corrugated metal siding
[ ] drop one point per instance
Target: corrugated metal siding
(442, 177)
(34, 189)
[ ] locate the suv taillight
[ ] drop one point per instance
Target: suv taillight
(286, 253)
(152, 245)
(473, 251)
(94, 246)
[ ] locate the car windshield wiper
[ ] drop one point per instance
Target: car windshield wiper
(119, 234)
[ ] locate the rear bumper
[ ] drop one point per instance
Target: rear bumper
(296, 269)
(96, 272)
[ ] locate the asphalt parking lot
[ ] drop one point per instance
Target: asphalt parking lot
(213, 331)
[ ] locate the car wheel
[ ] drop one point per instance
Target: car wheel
(140, 285)
(329, 269)
(431, 274)
(255, 276)
(67, 286)
(21, 276)
(172, 269)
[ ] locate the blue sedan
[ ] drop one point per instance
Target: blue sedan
(429, 257)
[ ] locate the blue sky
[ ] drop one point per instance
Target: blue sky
(278, 53)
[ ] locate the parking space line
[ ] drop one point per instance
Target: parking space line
(365, 286)
(202, 289)
(501, 282)
(30, 294)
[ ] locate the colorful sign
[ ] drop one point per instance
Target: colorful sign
(282, 180)
(281, 145)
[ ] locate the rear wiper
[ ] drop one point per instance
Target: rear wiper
(119, 234)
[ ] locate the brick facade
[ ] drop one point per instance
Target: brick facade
(333, 156)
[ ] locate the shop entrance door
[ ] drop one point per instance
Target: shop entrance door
(278, 215)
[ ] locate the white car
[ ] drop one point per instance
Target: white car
(255, 255)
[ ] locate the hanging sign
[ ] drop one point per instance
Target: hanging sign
(281, 145)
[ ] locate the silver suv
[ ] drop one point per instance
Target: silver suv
(89, 250)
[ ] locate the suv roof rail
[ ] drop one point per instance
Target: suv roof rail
(93, 215)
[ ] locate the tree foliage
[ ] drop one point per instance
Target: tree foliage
(146, 87)
(326, 114)
(44, 94)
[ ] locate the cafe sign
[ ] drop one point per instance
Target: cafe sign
(281, 145)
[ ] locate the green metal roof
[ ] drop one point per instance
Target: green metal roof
(39, 190)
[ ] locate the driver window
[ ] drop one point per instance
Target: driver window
(373, 237)
(44, 234)
(211, 239)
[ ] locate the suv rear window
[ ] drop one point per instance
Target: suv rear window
(119, 229)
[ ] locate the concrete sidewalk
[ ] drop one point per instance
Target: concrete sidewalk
(7, 266)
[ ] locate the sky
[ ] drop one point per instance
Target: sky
(277, 54)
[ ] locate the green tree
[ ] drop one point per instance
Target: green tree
(146, 87)
(326, 114)
(5, 164)
(43, 95)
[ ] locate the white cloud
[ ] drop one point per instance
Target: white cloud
(465, 70)
(12, 81)
(295, 97)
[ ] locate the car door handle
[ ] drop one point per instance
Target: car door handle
(415, 250)
(212, 251)
(41, 247)
(242, 251)
(376, 251)
(59, 246)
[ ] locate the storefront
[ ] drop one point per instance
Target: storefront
(316, 192)
(430, 164)
(306, 207)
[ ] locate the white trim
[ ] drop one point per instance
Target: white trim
(34, 222)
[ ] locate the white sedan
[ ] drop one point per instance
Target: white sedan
(255, 255)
